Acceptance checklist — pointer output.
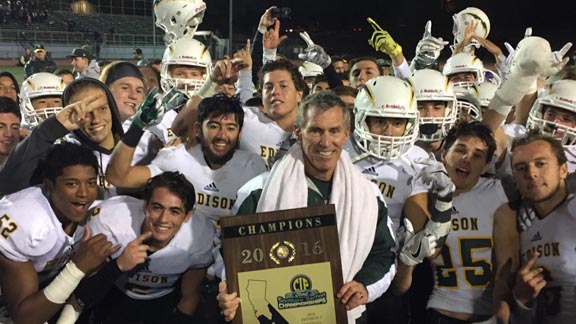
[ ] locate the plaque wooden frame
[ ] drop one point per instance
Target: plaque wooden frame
(298, 228)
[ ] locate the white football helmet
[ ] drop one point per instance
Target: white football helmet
(310, 70)
(185, 51)
(388, 97)
(468, 104)
(463, 18)
(179, 18)
(39, 85)
(461, 63)
(431, 85)
(562, 95)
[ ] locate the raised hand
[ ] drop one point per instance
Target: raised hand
(266, 20)
(243, 57)
(529, 281)
(134, 253)
(272, 37)
(74, 115)
(557, 60)
(150, 111)
(429, 47)
(174, 99)
(434, 174)
(314, 53)
(93, 252)
(382, 41)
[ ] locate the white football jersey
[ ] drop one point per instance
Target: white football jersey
(120, 219)
(261, 135)
(463, 271)
(553, 237)
(31, 232)
(395, 178)
(215, 189)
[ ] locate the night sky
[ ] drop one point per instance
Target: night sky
(330, 23)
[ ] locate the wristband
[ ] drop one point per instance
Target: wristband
(69, 315)
(133, 135)
(208, 89)
(64, 284)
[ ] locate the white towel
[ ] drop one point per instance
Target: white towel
(352, 194)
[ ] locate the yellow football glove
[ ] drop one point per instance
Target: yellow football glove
(382, 41)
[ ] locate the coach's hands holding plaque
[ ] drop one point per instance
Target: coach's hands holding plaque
(353, 294)
(228, 303)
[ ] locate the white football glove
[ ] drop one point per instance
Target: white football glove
(506, 61)
(434, 174)
(417, 247)
(428, 48)
(314, 53)
(557, 60)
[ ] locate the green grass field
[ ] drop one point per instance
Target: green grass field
(18, 71)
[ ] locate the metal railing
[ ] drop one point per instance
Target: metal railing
(72, 38)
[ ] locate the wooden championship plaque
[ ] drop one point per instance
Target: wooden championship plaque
(285, 266)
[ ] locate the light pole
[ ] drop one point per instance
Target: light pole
(230, 30)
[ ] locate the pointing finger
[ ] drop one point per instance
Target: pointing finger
(374, 24)
(143, 237)
(528, 266)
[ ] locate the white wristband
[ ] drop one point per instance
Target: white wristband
(69, 315)
(208, 89)
(64, 284)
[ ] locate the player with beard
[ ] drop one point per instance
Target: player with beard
(537, 232)
(214, 166)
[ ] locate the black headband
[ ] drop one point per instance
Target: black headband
(122, 70)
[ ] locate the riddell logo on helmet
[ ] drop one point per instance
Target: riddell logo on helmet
(566, 100)
(392, 106)
(431, 90)
(51, 88)
(202, 7)
(188, 57)
(460, 66)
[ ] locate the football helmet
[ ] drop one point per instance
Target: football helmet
(463, 18)
(387, 97)
(462, 63)
(39, 85)
(561, 94)
(178, 18)
(431, 85)
(468, 104)
(185, 51)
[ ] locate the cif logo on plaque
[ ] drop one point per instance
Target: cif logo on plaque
(301, 294)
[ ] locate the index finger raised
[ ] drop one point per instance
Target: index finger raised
(373, 24)
(528, 266)
(143, 237)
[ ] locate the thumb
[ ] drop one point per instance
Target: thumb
(302, 56)
(222, 287)
(283, 37)
(428, 29)
(87, 234)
